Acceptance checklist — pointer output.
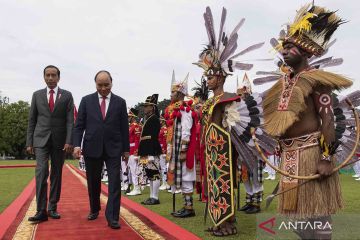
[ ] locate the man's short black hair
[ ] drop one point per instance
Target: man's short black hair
(103, 71)
(52, 66)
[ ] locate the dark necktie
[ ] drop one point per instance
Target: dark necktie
(103, 107)
(51, 100)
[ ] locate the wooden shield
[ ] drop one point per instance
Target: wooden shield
(219, 177)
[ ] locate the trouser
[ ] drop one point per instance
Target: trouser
(187, 190)
(273, 161)
(356, 167)
(42, 173)
(104, 174)
(82, 164)
(93, 174)
(133, 165)
(254, 191)
(124, 173)
(163, 167)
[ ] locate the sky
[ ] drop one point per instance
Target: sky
(141, 42)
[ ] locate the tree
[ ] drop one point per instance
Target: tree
(13, 125)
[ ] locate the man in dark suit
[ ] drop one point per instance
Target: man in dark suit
(103, 116)
(51, 121)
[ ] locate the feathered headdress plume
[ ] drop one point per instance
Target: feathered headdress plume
(201, 90)
(218, 57)
(312, 29)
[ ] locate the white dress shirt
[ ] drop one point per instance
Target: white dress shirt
(107, 101)
(56, 89)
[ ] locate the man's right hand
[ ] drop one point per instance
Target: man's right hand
(30, 150)
(77, 153)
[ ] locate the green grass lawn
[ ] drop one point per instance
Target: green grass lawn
(12, 182)
(15, 162)
(246, 224)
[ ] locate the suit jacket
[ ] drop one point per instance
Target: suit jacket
(43, 123)
(149, 141)
(110, 134)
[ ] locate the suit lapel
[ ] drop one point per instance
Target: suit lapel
(44, 99)
(97, 104)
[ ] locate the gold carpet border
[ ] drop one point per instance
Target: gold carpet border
(134, 222)
(26, 230)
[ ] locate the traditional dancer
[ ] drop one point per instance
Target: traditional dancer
(181, 145)
(253, 185)
(150, 150)
(134, 139)
(298, 110)
(227, 121)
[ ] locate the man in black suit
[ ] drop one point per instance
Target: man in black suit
(51, 120)
(103, 117)
(150, 150)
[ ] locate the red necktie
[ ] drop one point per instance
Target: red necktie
(51, 100)
(103, 107)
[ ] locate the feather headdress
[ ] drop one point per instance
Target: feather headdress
(201, 90)
(218, 56)
(320, 62)
(312, 29)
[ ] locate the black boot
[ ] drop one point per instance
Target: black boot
(184, 213)
(187, 210)
(254, 208)
(245, 207)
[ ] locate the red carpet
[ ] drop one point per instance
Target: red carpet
(163, 226)
(74, 208)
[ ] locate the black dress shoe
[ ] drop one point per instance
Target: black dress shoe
(151, 201)
(93, 216)
(146, 201)
(184, 213)
(114, 224)
(54, 214)
(253, 209)
(178, 212)
(39, 217)
(245, 207)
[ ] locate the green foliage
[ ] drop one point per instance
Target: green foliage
(13, 125)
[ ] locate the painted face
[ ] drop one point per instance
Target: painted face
(51, 77)
(292, 55)
(103, 84)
